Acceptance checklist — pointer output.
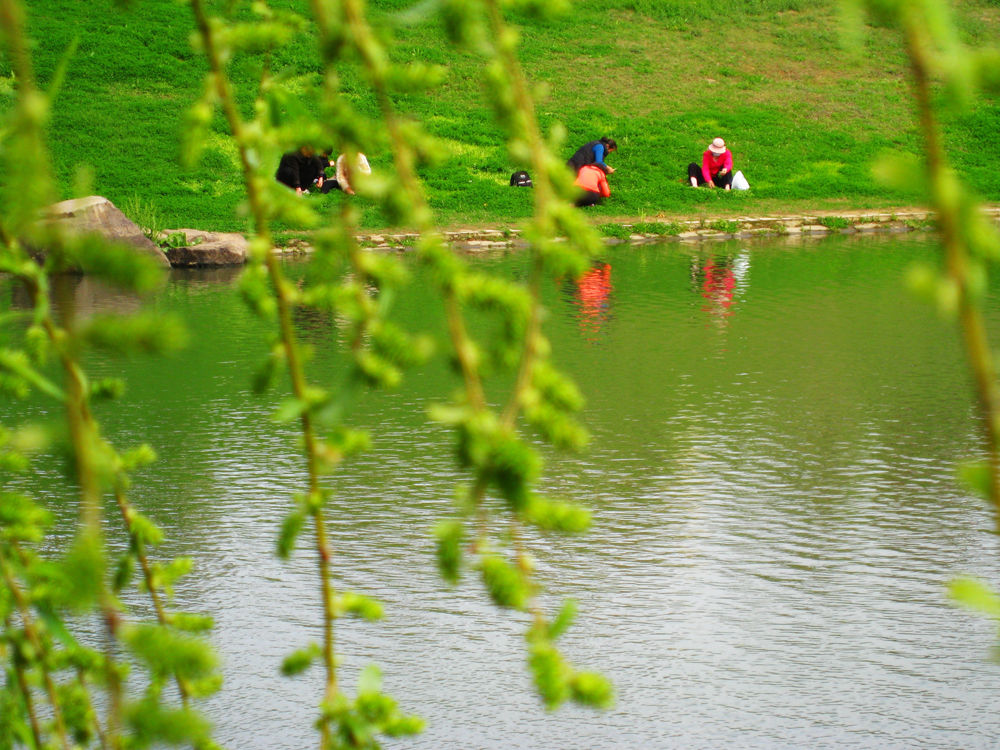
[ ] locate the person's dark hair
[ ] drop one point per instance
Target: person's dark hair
(609, 144)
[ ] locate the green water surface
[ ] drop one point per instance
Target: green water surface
(776, 429)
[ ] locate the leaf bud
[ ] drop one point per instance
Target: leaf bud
(449, 536)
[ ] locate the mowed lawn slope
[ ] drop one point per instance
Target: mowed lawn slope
(806, 114)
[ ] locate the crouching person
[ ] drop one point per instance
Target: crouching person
(347, 172)
(594, 184)
(301, 169)
(716, 168)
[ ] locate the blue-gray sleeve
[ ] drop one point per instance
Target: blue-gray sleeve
(599, 154)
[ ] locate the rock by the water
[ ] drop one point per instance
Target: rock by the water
(207, 248)
(98, 215)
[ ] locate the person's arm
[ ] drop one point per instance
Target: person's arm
(602, 184)
(706, 163)
(727, 163)
(599, 154)
(321, 170)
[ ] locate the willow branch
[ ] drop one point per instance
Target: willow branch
(128, 514)
(283, 298)
(957, 258)
(35, 639)
(544, 195)
(366, 44)
(22, 684)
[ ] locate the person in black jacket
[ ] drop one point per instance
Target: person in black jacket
(594, 152)
(300, 169)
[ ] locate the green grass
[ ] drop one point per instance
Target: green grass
(834, 222)
(615, 230)
(661, 228)
(722, 225)
(806, 118)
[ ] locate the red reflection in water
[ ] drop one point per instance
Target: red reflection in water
(718, 286)
(592, 297)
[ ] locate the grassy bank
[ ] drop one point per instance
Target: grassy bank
(805, 115)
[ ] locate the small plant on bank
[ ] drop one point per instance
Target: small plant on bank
(834, 223)
(617, 231)
(658, 228)
(921, 224)
(150, 221)
(146, 216)
(724, 225)
(177, 239)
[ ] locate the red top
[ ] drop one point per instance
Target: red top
(593, 179)
(712, 164)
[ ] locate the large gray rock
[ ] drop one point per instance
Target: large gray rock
(208, 248)
(100, 216)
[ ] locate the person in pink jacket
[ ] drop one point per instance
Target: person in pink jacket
(716, 168)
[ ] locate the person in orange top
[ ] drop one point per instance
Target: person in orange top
(594, 183)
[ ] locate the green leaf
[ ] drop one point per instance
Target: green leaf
(83, 571)
(360, 605)
(115, 263)
(153, 724)
(370, 680)
(977, 477)
(592, 689)
(147, 332)
(18, 364)
(123, 573)
(299, 661)
(551, 673)
(56, 627)
(107, 388)
(145, 532)
(404, 726)
(291, 408)
(291, 528)
(552, 515)
(167, 652)
(166, 576)
(269, 370)
(513, 466)
(563, 620)
(21, 518)
(449, 536)
(191, 623)
(138, 457)
(975, 595)
(77, 713)
(505, 583)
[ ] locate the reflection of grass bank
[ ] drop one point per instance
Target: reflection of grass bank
(805, 117)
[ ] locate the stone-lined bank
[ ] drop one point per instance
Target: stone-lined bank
(684, 230)
(191, 247)
(693, 230)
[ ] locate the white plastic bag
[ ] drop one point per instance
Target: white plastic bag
(740, 182)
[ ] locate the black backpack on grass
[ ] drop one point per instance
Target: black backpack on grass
(520, 179)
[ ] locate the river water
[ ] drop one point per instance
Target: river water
(775, 434)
